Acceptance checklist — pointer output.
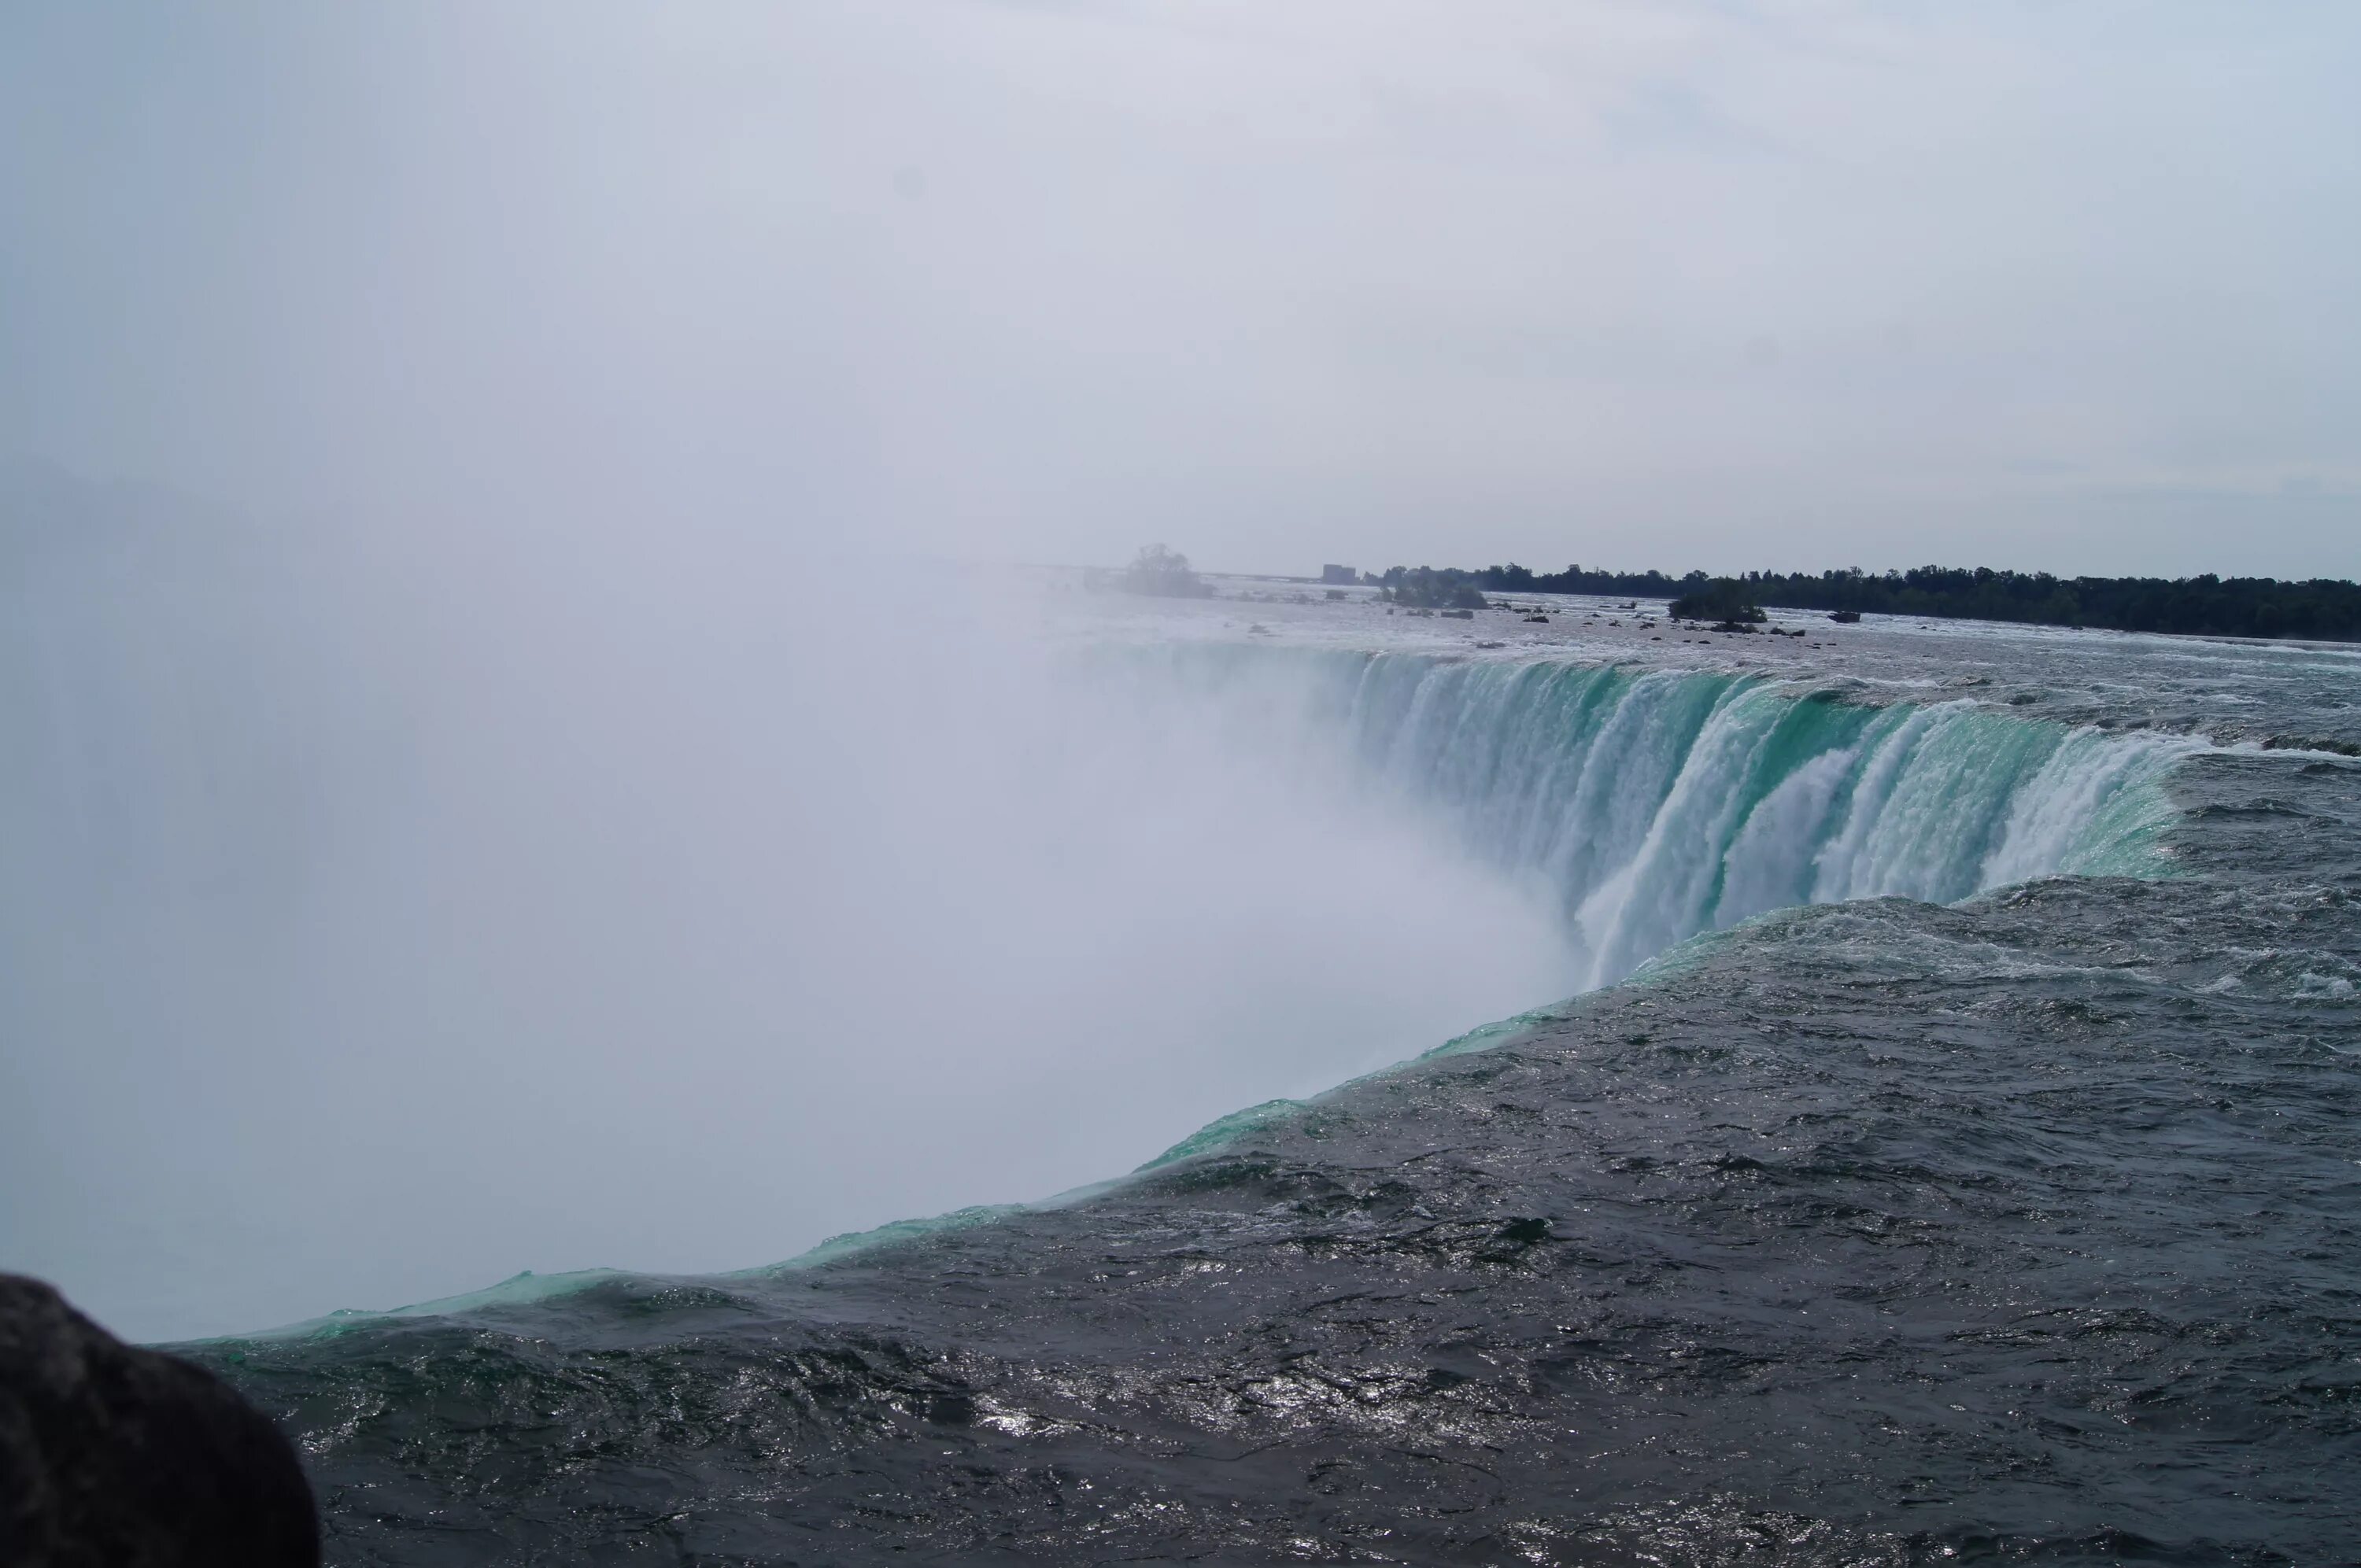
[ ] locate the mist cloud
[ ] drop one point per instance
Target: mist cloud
(561, 800)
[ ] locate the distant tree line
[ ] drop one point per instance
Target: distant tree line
(2322, 608)
(1426, 588)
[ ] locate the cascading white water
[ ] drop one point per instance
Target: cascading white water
(1660, 804)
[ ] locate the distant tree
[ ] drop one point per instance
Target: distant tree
(1723, 600)
(1155, 570)
(1427, 589)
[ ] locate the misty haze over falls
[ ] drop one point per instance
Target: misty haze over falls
(371, 981)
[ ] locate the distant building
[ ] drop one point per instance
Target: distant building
(1339, 574)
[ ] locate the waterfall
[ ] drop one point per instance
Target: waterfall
(1656, 805)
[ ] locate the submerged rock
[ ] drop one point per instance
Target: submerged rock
(113, 1454)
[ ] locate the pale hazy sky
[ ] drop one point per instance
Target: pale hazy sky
(1794, 284)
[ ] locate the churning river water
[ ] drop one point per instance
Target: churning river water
(1949, 1150)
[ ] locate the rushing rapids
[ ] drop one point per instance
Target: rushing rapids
(1994, 1201)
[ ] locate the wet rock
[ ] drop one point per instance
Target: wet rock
(114, 1454)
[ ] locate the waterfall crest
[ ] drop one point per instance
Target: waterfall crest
(1656, 805)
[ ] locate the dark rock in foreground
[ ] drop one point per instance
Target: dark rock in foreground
(111, 1456)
